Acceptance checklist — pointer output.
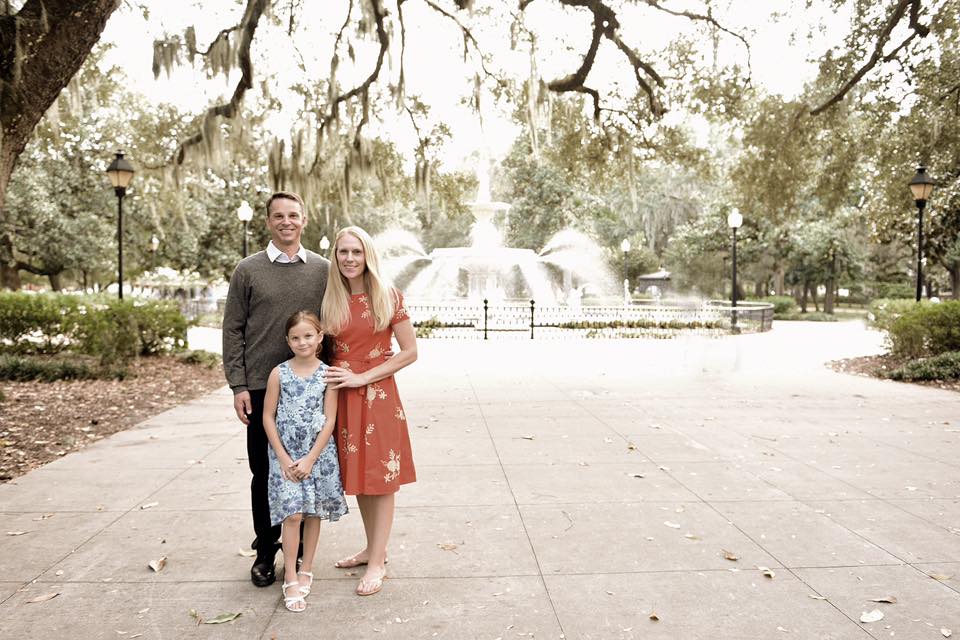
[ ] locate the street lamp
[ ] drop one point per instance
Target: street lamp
(154, 245)
(734, 221)
(245, 213)
(922, 187)
(625, 248)
(324, 244)
(120, 172)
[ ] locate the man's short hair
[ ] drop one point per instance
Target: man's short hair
(287, 195)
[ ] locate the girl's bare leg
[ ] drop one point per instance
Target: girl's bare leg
(311, 536)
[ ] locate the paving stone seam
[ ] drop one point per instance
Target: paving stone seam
(526, 532)
(120, 515)
(915, 453)
(725, 518)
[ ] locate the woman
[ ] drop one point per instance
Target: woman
(362, 312)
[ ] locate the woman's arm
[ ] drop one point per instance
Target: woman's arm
(270, 402)
(339, 377)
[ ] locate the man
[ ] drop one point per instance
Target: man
(266, 288)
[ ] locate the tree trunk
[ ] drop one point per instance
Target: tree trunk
(778, 280)
(42, 47)
(954, 271)
(813, 296)
(830, 284)
(803, 297)
(56, 281)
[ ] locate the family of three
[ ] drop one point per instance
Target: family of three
(307, 352)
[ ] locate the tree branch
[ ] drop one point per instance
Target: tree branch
(379, 14)
(248, 27)
(704, 18)
(467, 38)
(877, 56)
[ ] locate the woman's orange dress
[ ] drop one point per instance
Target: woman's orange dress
(372, 439)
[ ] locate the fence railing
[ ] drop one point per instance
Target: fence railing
(519, 320)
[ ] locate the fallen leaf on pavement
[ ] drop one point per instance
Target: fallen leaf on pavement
(15, 533)
(730, 555)
(653, 616)
(941, 577)
(815, 597)
(672, 525)
(158, 564)
(946, 633)
(44, 597)
(871, 616)
(527, 437)
(887, 599)
(447, 546)
(223, 617)
(766, 572)
(690, 536)
(631, 446)
(636, 475)
(149, 505)
(247, 553)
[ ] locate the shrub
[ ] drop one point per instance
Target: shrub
(927, 330)
(781, 304)
(201, 357)
(882, 313)
(945, 366)
(115, 331)
(813, 316)
(23, 368)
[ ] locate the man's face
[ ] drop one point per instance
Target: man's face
(286, 221)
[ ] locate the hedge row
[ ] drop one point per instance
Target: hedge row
(113, 331)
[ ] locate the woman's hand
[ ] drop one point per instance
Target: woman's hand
(340, 378)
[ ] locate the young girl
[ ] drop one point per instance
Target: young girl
(299, 416)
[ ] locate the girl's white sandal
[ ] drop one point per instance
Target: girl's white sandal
(291, 601)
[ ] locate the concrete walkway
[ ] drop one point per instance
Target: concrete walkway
(567, 490)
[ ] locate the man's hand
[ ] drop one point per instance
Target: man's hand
(243, 406)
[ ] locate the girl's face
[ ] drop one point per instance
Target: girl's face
(304, 339)
(350, 257)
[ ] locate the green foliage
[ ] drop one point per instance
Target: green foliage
(200, 357)
(813, 316)
(114, 331)
(642, 323)
(943, 366)
(882, 313)
(782, 305)
(45, 369)
(927, 330)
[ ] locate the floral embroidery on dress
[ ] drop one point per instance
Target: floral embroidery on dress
(376, 352)
(400, 415)
(343, 346)
(393, 467)
(375, 391)
(370, 429)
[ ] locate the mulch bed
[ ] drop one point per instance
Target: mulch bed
(40, 421)
(876, 366)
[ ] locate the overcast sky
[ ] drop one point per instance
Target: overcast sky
(781, 50)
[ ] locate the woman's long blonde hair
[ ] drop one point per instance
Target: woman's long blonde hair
(335, 309)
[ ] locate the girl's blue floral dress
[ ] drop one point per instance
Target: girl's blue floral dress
(299, 419)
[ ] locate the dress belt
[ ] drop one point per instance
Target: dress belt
(359, 365)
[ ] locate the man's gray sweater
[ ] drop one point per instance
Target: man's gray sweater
(262, 296)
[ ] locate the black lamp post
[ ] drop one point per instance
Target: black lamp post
(922, 186)
(625, 248)
(245, 214)
(120, 172)
(734, 221)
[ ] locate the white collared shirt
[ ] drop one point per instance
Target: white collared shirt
(278, 256)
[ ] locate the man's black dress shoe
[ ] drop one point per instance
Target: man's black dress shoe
(262, 573)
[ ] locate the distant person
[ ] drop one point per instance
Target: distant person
(362, 312)
(299, 415)
(266, 288)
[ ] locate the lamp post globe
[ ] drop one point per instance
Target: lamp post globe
(120, 173)
(245, 215)
(921, 186)
(324, 244)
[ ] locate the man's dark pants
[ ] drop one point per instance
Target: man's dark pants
(268, 536)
